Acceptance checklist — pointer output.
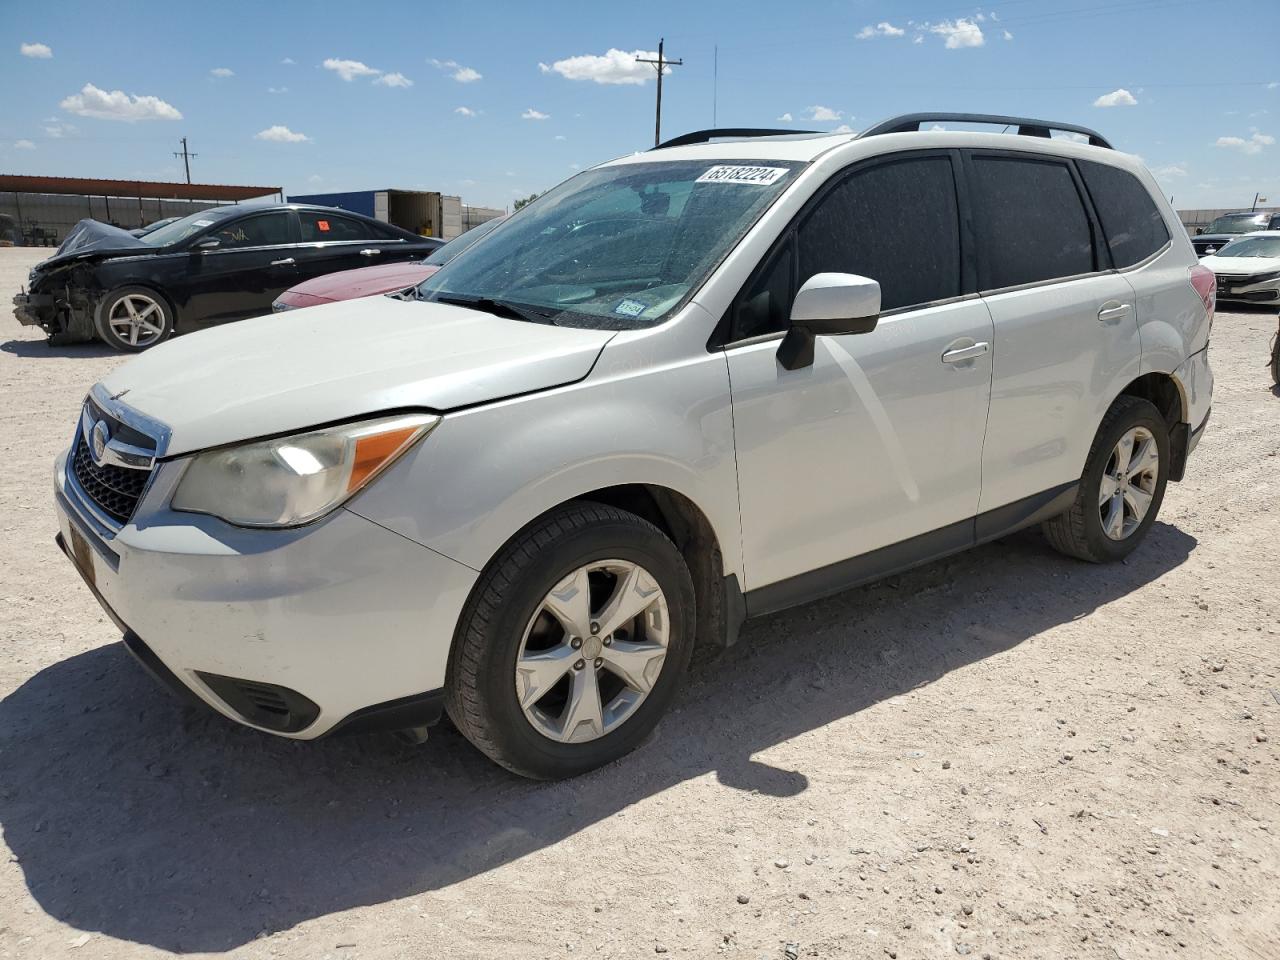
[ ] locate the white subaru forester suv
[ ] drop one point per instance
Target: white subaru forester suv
(738, 372)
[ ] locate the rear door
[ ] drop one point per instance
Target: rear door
(880, 440)
(252, 265)
(332, 242)
(1066, 330)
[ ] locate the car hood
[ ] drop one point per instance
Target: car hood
(340, 361)
(1241, 266)
(366, 281)
(90, 238)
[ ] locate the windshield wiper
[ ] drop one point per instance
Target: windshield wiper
(499, 308)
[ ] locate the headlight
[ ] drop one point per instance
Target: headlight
(290, 481)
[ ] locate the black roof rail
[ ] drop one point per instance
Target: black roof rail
(912, 122)
(706, 136)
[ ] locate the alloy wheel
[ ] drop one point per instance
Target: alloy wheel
(137, 319)
(592, 651)
(1128, 483)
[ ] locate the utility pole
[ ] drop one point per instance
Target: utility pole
(661, 64)
(186, 158)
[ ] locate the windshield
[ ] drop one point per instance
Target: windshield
(1237, 224)
(444, 254)
(1252, 247)
(615, 248)
(180, 229)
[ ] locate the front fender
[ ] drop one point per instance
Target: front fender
(484, 473)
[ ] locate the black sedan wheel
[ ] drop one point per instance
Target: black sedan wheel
(134, 318)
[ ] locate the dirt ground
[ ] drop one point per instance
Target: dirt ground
(1005, 754)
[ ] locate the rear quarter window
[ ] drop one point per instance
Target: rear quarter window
(1130, 219)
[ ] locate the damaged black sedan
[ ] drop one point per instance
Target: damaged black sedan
(208, 268)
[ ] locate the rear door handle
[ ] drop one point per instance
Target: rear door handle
(1113, 310)
(369, 252)
(286, 262)
(961, 354)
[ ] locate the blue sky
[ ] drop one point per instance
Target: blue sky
(497, 100)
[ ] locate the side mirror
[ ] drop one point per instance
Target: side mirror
(208, 243)
(1199, 230)
(828, 305)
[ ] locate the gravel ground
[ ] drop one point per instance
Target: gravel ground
(1005, 754)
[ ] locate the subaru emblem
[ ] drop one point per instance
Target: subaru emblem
(98, 445)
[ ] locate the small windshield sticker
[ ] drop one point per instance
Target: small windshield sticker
(761, 176)
(630, 308)
(323, 226)
(203, 223)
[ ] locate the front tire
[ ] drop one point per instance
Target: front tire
(573, 644)
(131, 319)
(1122, 486)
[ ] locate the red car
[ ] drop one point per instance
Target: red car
(384, 278)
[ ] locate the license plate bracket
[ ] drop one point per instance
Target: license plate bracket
(82, 554)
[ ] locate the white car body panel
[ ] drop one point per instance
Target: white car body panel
(294, 370)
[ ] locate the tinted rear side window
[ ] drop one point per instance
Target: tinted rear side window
(1130, 219)
(896, 223)
(319, 227)
(1030, 220)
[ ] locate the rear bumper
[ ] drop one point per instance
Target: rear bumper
(341, 624)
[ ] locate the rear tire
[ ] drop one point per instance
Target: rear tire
(131, 319)
(519, 622)
(1121, 489)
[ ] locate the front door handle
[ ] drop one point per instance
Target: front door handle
(369, 252)
(1113, 310)
(961, 354)
(286, 262)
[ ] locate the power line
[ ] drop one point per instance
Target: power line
(186, 158)
(661, 64)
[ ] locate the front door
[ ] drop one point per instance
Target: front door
(880, 440)
(252, 265)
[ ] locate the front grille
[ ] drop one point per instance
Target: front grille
(114, 490)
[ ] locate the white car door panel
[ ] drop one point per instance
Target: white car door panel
(878, 441)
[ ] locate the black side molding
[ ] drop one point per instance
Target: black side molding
(405, 713)
(159, 672)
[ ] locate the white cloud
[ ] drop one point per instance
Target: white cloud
(1253, 145)
(881, 29)
(559, 136)
(222, 72)
(843, 128)
(1008, 35)
(613, 67)
(919, 38)
(532, 114)
(57, 130)
(394, 80)
(959, 33)
(288, 61)
(36, 51)
(117, 105)
(786, 118)
(1170, 170)
(348, 70)
(1273, 84)
(1116, 98)
(24, 145)
(457, 71)
(280, 134)
(464, 111)
(277, 89)
(822, 114)
(315, 178)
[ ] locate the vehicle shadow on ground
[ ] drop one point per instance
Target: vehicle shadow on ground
(41, 350)
(153, 823)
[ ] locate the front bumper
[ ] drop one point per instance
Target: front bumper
(1244, 291)
(34, 309)
(355, 620)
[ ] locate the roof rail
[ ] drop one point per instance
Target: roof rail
(912, 122)
(706, 136)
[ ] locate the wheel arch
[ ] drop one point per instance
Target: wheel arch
(1166, 394)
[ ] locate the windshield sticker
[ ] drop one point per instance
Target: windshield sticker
(630, 308)
(323, 225)
(761, 176)
(203, 223)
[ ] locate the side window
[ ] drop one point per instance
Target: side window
(1130, 218)
(319, 226)
(1030, 220)
(266, 230)
(896, 223)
